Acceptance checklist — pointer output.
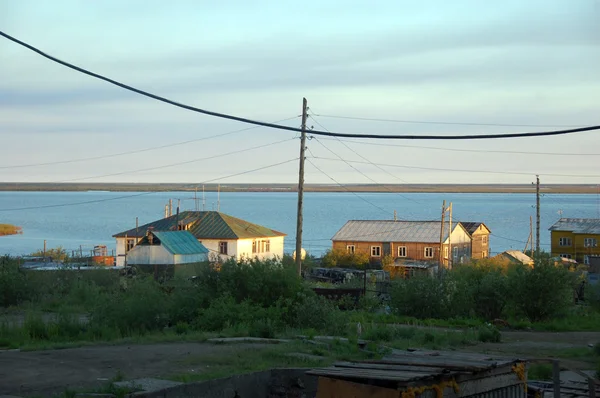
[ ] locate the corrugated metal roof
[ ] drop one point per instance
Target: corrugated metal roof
(519, 256)
(471, 226)
(577, 225)
(391, 231)
(206, 225)
(180, 242)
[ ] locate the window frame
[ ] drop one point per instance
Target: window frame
(569, 241)
(586, 259)
(566, 255)
(426, 249)
(350, 249)
(224, 244)
(130, 244)
(484, 239)
(590, 242)
(375, 248)
(402, 251)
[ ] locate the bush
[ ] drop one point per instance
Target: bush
(542, 292)
(13, 282)
(421, 297)
(344, 259)
(489, 334)
(142, 307)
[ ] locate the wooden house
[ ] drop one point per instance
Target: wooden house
(575, 238)
(224, 236)
(405, 240)
(514, 257)
(480, 239)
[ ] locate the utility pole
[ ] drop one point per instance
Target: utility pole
(450, 254)
(442, 235)
(537, 215)
(219, 197)
(301, 190)
(203, 199)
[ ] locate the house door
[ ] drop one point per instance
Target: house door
(387, 249)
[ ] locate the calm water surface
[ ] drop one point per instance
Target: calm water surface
(63, 220)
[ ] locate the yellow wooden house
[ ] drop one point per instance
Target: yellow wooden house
(576, 238)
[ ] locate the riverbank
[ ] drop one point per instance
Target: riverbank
(292, 187)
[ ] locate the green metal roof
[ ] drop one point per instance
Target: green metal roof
(177, 242)
(206, 225)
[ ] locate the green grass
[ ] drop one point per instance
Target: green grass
(250, 360)
(540, 371)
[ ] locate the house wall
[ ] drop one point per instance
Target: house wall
(414, 251)
(577, 249)
(146, 254)
(479, 248)
(460, 242)
(190, 258)
(236, 248)
(120, 251)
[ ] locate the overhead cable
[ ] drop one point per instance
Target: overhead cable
(296, 129)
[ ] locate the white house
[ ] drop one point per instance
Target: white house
(167, 248)
(224, 236)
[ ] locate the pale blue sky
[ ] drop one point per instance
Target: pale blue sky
(510, 62)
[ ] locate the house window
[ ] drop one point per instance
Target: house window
(261, 246)
(446, 252)
(565, 255)
(375, 251)
(401, 251)
(350, 249)
(129, 244)
(222, 247)
(429, 252)
(484, 240)
(484, 254)
(586, 260)
(455, 252)
(564, 242)
(590, 242)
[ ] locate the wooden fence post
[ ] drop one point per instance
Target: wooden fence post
(556, 378)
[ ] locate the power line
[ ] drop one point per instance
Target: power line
(442, 122)
(467, 171)
(486, 151)
(280, 127)
(147, 193)
(342, 186)
(362, 157)
(137, 150)
(176, 164)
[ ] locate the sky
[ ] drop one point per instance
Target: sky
(534, 64)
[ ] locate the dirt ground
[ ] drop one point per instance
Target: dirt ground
(43, 373)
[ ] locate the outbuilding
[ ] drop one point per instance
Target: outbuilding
(167, 248)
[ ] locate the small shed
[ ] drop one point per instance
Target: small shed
(515, 256)
(167, 248)
(425, 374)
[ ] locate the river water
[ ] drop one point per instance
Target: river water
(74, 219)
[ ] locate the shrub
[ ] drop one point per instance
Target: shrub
(342, 258)
(421, 297)
(542, 292)
(13, 282)
(489, 334)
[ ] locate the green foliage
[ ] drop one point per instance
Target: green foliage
(488, 334)
(542, 292)
(8, 229)
(540, 371)
(422, 297)
(592, 296)
(56, 254)
(13, 282)
(344, 259)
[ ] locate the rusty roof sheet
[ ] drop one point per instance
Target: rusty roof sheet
(577, 225)
(391, 231)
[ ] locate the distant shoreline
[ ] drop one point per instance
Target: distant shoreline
(380, 188)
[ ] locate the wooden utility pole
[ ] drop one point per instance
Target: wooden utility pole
(450, 255)
(442, 235)
(537, 215)
(301, 190)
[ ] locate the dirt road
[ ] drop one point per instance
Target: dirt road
(44, 373)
